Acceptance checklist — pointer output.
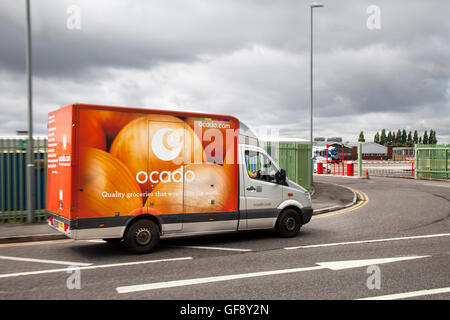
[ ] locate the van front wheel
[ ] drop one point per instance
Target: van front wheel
(142, 236)
(288, 223)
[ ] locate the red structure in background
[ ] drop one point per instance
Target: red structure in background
(319, 168)
(350, 169)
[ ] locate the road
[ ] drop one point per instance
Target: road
(403, 222)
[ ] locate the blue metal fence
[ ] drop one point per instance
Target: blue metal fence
(13, 193)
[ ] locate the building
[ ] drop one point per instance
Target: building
(372, 151)
(402, 153)
(334, 139)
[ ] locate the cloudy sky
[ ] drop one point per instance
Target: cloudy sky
(247, 58)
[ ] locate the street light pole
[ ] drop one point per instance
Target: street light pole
(312, 6)
(30, 157)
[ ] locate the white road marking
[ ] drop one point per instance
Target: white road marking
(216, 248)
(179, 283)
(45, 261)
(341, 265)
(8, 275)
(368, 241)
(34, 243)
(434, 184)
(409, 294)
(333, 265)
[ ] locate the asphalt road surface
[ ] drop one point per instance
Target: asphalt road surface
(393, 245)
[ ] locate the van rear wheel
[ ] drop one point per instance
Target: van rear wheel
(142, 236)
(289, 223)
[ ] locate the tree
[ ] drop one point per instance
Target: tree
(415, 138)
(361, 137)
(409, 141)
(389, 139)
(398, 138)
(420, 140)
(376, 138)
(425, 137)
(383, 137)
(404, 137)
(432, 139)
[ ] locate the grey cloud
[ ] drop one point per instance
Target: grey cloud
(246, 58)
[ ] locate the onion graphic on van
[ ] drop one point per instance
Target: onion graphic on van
(210, 191)
(156, 143)
(105, 179)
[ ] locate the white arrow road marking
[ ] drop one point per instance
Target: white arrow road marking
(337, 265)
(45, 261)
(8, 275)
(409, 294)
(368, 241)
(340, 265)
(216, 248)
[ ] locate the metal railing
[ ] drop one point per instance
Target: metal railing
(388, 168)
(13, 191)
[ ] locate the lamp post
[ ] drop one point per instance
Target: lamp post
(30, 157)
(312, 6)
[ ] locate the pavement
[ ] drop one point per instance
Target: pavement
(325, 197)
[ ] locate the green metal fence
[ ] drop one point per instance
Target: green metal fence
(294, 157)
(432, 161)
(13, 191)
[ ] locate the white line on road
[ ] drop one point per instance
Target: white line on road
(45, 261)
(409, 294)
(368, 241)
(179, 283)
(216, 248)
(434, 184)
(332, 265)
(8, 275)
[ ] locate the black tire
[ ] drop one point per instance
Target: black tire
(288, 223)
(113, 241)
(142, 236)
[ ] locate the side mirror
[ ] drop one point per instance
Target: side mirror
(280, 176)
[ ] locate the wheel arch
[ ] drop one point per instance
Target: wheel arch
(293, 207)
(157, 220)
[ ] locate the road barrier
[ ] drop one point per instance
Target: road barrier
(372, 168)
(13, 191)
(430, 162)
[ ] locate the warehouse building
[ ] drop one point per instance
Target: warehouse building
(372, 151)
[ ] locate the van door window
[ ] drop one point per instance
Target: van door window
(259, 166)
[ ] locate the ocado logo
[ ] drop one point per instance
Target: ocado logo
(176, 176)
(167, 143)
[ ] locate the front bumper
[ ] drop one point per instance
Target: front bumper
(307, 213)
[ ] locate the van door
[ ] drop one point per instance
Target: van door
(262, 193)
(165, 167)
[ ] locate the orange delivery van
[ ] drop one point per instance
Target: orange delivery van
(135, 175)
